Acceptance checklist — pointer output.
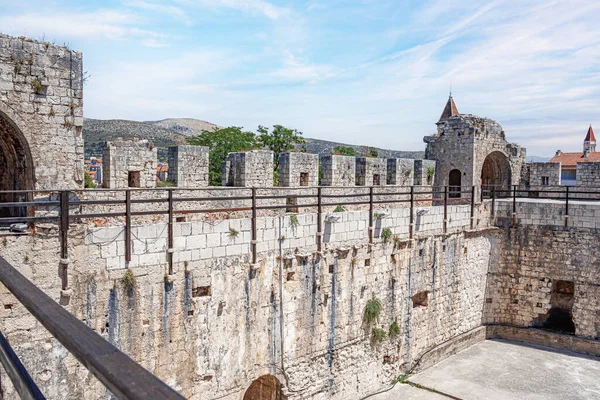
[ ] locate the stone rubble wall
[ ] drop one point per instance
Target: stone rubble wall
(188, 166)
(50, 119)
(213, 326)
(367, 168)
(248, 169)
(400, 171)
(588, 174)
(120, 157)
(338, 171)
(550, 170)
(292, 165)
(421, 174)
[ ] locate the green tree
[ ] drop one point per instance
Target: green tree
(88, 183)
(344, 151)
(279, 140)
(221, 142)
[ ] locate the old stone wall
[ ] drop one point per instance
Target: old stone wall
(546, 273)
(544, 174)
(371, 171)
(400, 171)
(298, 169)
(338, 171)
(588, 174)
(248, 169)
(129, 163)
(188, 166)
(425, 171)
(219, 322)
(41, 114)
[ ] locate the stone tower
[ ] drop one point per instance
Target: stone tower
(589, 144)
(471, 150)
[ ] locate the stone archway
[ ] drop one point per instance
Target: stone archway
(16, 167)
(267, 387)
(454, 183)
(496, 171)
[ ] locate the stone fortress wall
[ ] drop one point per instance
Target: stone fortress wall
(41, 115)
(188, 166)
(129, 163)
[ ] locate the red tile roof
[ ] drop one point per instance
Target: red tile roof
(590, 135)
(570, 160)
(449, 111)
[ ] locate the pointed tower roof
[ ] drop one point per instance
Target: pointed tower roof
(590, 135)
(449, 111)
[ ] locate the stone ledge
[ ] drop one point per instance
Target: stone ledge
(544, 338)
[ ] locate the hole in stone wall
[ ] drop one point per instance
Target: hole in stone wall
(179, 219)
(267, 387)
(325, 300)
(190, 312)
(421, 299)
(8, 306)
(363, 289)
(290, 276)
(201, 291)
(133, 179)
(421, 252)
(303, 178)
(376, 180)
(331, 268)
(367, 262)
(560, 316)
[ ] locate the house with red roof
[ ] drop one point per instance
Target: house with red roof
(569, 160)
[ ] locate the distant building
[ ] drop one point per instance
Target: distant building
(162, 171)
(569, 160)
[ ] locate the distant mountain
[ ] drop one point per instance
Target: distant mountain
(538, 159)
(174, 131)
(185, 126)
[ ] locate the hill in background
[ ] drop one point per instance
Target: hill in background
(174, 131)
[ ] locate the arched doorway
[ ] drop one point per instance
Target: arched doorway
(496, 172)
(16, 167)
(454, 183)
(267, 387)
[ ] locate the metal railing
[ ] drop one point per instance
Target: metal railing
(118, 373)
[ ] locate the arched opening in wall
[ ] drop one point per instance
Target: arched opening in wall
(267, 387)
(560, 316)
(16, 167)
(454, 183)
(496, 172)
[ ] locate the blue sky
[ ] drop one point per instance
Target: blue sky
(368, 72)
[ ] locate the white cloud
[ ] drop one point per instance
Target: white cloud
(265, 8)
(162, 9)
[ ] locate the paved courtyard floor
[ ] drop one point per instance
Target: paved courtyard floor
(500, 370)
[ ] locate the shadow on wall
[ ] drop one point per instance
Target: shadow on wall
(560, 316)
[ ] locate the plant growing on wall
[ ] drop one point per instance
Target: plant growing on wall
(37, 86)
(294, 220)
(339, 208)
(233, 233)
(372, 311)
(406, 175)
(386, 234)
(394, 330)
(128, 280)
(430, 173)
(378, 335)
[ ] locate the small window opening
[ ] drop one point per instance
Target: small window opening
(545, 181)
(303, 178)
(201, 291)
(376, 180)
(421, 299)
(133, 179)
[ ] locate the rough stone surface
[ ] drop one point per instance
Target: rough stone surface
(371, 171)
(588, 174)
(422, 173)
(338, 171)
(298, 169)
(188, 166)
(464, 142)
(248, 169)
(129, 163)
(41, 114)
(400, 171)
(543, 174)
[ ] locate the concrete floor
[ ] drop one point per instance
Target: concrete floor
(500, 370)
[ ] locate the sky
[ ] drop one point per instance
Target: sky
(368, 72)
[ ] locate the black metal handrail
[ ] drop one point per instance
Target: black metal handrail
(120, 374)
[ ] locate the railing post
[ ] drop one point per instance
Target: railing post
(170, 231)
(319, 221)
(412, 206)
(514, 213)
(128, 225)
(473, 205)
(445, 209)
(253, 241)
(371, 215)
(493, 201)
(567, 207)
(64, 231)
